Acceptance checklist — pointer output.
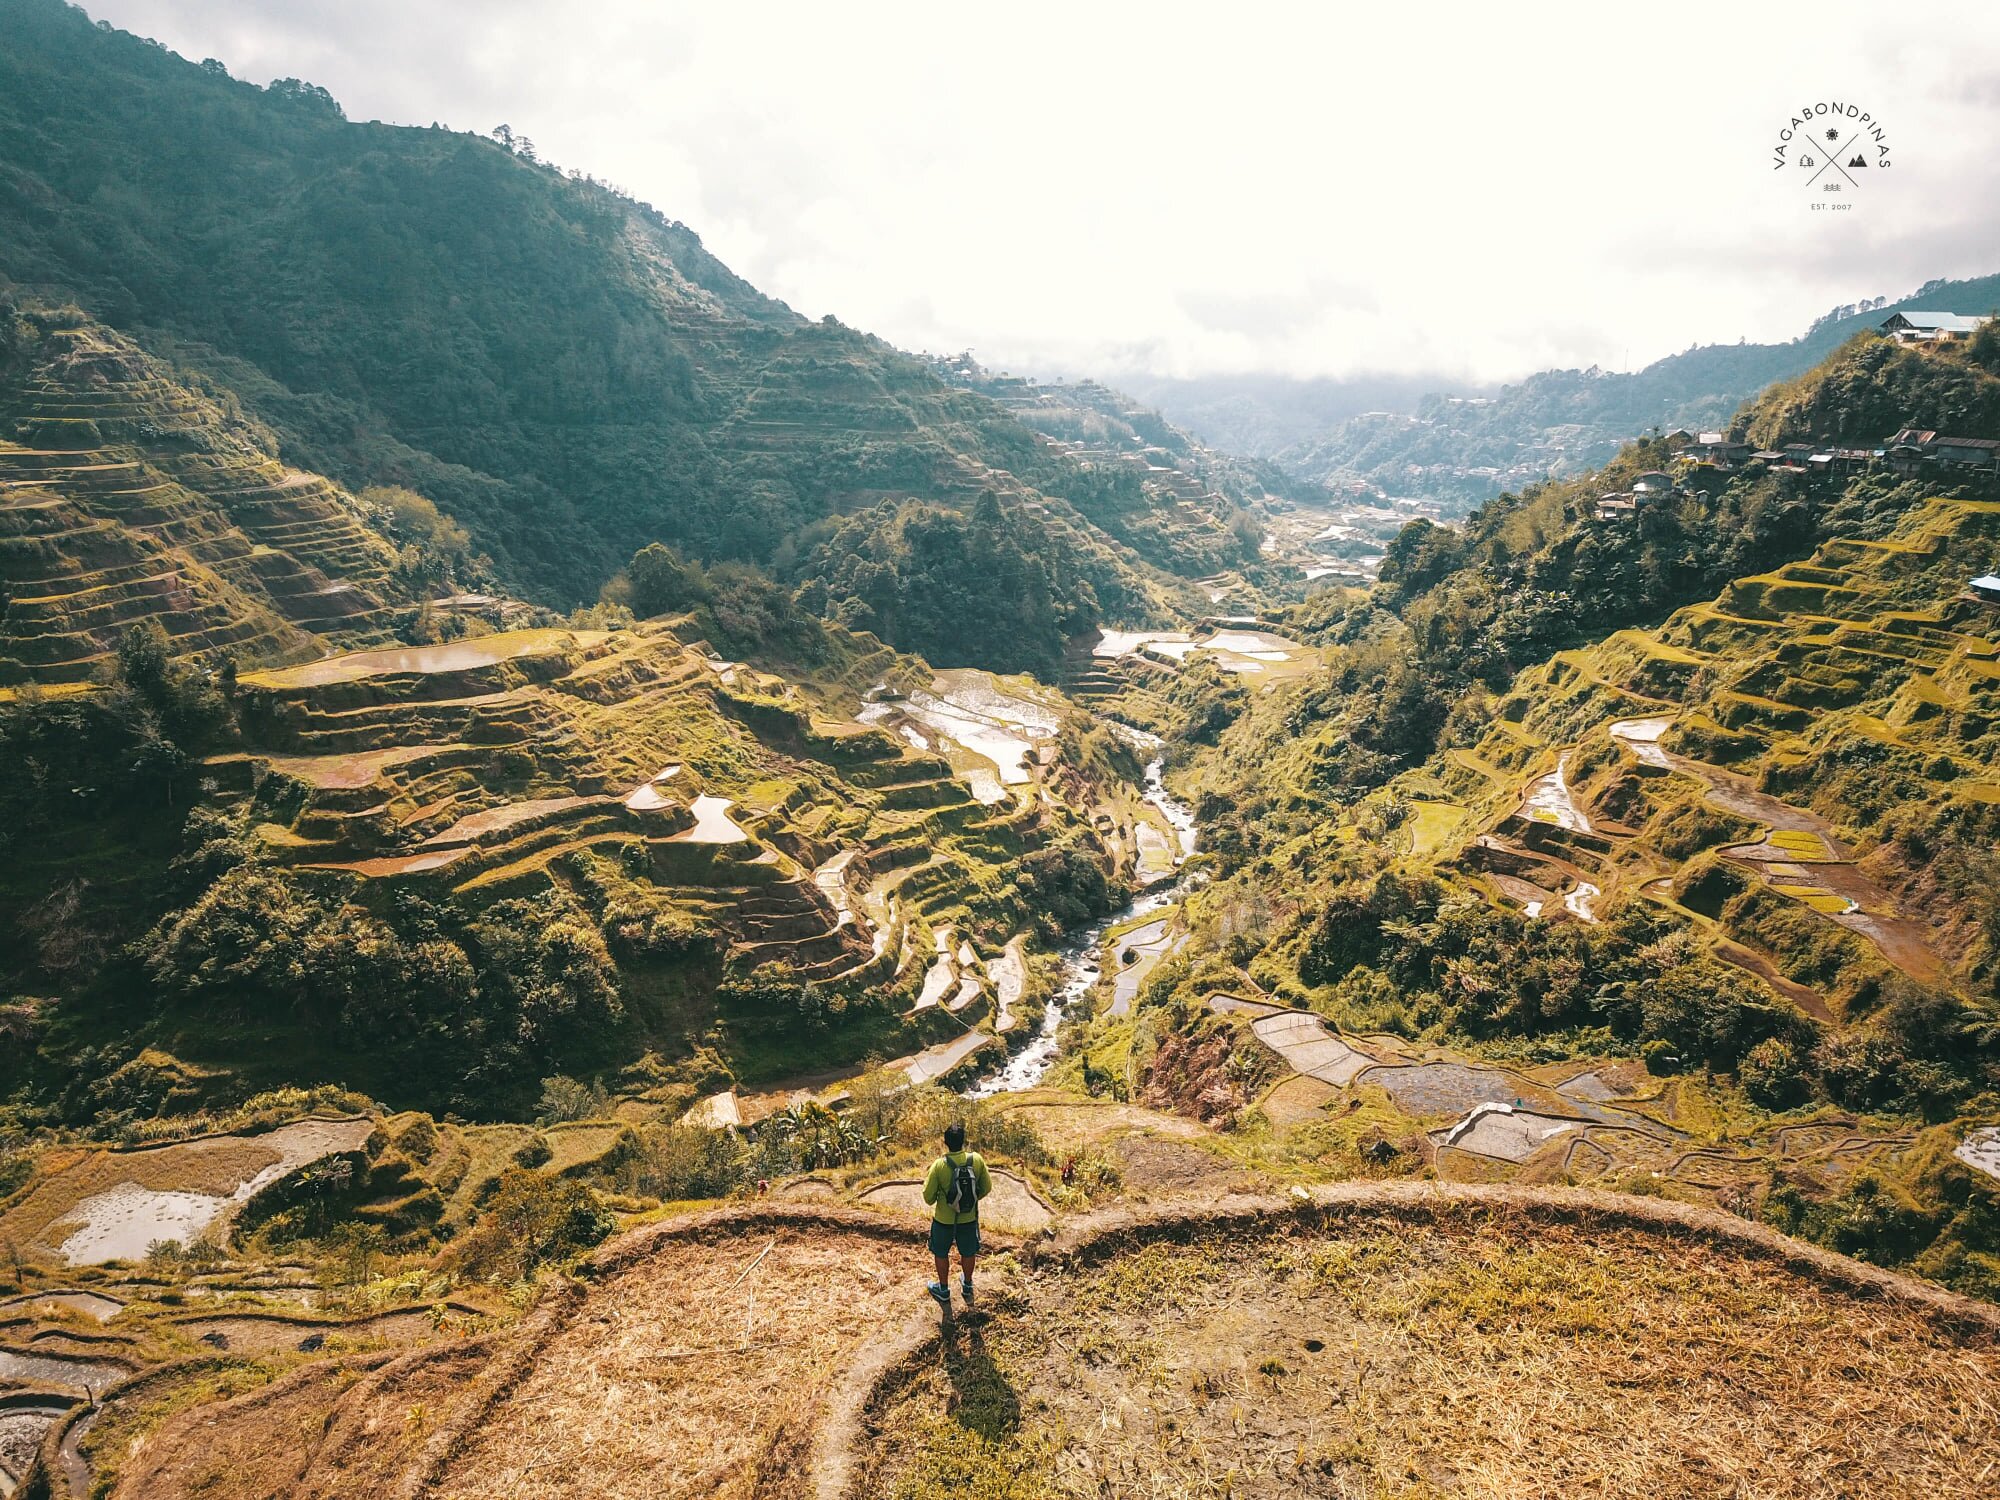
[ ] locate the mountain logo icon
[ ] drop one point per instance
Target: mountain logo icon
(1827, 143)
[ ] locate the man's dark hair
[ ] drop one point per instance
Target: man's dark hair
(954, 1137)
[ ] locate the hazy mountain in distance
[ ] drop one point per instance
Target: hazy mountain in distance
(1260, 416)
(1462, 443)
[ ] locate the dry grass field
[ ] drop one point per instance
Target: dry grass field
(1467, 1348)
(1402, 1340)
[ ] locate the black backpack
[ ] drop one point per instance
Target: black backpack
(962, 1196)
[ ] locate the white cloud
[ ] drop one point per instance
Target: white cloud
(1195, 189)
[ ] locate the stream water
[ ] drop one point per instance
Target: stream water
(1081, 956)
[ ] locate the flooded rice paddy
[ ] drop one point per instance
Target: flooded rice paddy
(455, 656)
(1245, 652)
(712, 823)
(984, 729)
(120, 1222)
(1549, 800)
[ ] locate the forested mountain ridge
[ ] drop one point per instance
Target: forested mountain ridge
(567, 373)
(1464, 445)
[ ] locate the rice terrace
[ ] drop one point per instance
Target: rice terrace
(615, 887)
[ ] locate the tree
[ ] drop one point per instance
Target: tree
(662, 583)
(566, 1099)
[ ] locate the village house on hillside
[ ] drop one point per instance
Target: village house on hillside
(1909, 451)
(1648, 489)
(1915, 447)
(1932, 327)
(1976, 453)
(1716, 448)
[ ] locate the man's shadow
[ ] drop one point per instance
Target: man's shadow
(983, 1399)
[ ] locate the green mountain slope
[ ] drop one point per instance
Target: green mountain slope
(565, 372)
(440, 874)
(1709, 785)
(127, 495)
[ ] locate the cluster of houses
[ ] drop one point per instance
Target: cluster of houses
(1649, 488)
(1911, 451)
(1932, 327)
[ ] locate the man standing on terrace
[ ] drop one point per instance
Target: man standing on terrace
(953, 1187)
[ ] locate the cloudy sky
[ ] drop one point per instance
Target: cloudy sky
(1306, 189)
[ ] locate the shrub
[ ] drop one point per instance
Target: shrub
(1859, 1072)
(675, 1162)
(531, 1221)
(1774, 1075)
(566, 1099)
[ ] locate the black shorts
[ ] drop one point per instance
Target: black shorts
(964, 1234)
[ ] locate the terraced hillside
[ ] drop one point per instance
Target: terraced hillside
(1510, 1341)
(101, 1330)
(1758, 762)
(1746, 847)
(552, 849)
(126, 495)
(1178, 504)
(1701, 902)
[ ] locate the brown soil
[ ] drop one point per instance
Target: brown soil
(1155, 1167)
(1296, 1100)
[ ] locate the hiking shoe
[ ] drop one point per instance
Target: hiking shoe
(965, 1291)
(942, 1294)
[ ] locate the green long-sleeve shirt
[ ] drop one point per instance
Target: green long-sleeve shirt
(937, 1183)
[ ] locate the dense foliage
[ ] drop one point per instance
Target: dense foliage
(480, 1002)
(986, 589)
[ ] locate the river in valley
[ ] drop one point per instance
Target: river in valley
(1081, 954)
